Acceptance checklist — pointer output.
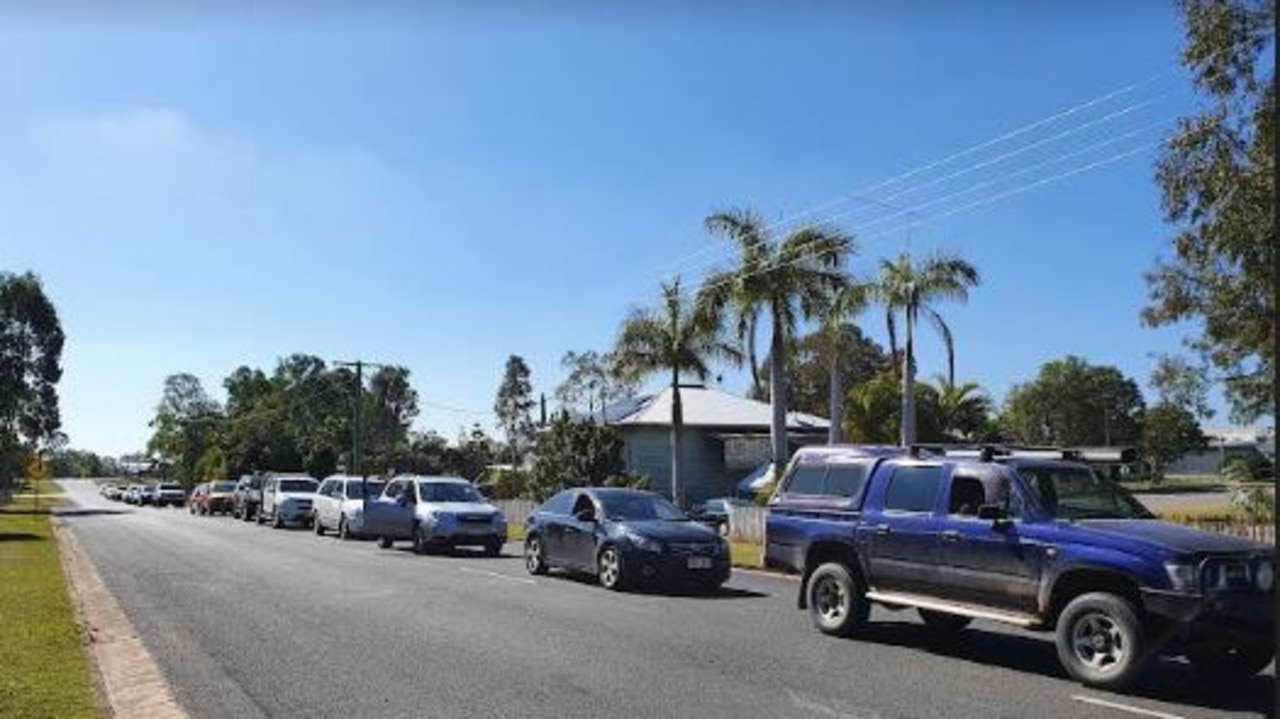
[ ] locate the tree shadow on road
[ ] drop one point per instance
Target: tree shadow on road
(1166, 679)
(19, 537)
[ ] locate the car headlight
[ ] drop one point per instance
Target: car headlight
(1182, 577)
(1264, 576)
(648, 544)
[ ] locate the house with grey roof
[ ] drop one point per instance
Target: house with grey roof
(726, 438)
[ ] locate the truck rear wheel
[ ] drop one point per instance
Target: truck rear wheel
(837, 605)
(1100, 641)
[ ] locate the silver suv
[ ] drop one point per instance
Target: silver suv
(287, 499)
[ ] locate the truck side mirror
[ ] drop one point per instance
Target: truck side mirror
(995, 514)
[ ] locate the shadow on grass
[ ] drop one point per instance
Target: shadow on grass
(1165, 679)
(19, 537)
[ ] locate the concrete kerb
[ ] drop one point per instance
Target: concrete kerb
(128, 679)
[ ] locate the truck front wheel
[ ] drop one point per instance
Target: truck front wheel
(837, 605)
(1100, 641)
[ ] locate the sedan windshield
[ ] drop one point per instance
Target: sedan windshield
(448, 492)
(374, 489)
(639, 507)
(1078, 493)
(222, 487)
(297, 485)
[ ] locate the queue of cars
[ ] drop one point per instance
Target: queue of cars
(1039, 542)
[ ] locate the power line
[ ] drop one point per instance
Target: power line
(989, 200)
(914, 211)
(724, 252)
(861, 194)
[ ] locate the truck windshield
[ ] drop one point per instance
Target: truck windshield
(297, 485)
(1078, 493)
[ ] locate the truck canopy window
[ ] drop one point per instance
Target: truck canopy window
(807, 479)
(845, 480)
(913, 489)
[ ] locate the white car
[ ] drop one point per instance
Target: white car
(339, 504)
(287, 499)
(435, 512)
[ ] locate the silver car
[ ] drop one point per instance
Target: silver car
(435, 512)
(287, 499)
(339, 504)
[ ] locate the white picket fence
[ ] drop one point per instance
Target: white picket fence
(747, 524)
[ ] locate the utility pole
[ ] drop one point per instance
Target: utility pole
(357, 413)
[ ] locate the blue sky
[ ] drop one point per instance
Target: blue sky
(441, 187)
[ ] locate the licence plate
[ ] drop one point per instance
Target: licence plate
(699, 562)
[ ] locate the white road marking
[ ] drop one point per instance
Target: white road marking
(1125, 707)
(497, 575)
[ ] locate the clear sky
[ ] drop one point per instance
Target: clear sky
(441, 187)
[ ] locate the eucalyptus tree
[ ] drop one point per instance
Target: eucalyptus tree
(910, 287)
(672, 338)
(787, 280)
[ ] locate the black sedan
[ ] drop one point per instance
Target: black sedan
(624, 537)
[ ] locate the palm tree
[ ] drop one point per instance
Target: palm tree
(961, 408)
(788, 279)
(911, 287)
(849, 301)
(672, 338)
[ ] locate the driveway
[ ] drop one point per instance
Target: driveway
(247, 621)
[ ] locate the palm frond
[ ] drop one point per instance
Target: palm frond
(947, 340)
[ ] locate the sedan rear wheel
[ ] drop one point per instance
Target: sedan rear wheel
(609, 569)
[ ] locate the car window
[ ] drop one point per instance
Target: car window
(806, 479)
(967, 494)
(372, 489)
(844, 480)
(394, 489)
(559, 504)
(326, 488)
(913, 489)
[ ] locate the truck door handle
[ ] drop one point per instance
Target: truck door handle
(951, 535)
(881, 529)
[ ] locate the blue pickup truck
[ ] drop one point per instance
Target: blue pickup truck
(1033, 541)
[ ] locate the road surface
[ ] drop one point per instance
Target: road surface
(247, 621)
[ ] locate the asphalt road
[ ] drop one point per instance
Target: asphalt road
(247, 621)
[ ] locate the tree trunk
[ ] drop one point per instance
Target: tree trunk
(677, 440)
(752, 359)
(835, 432)
(908, 433)
(778, 399)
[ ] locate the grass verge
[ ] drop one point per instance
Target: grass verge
(43, 669)
(747, 555)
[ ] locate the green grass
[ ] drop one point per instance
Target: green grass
(748, 555)
(43, 670)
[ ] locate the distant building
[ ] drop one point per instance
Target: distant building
(1224, 445)
(726, 438)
